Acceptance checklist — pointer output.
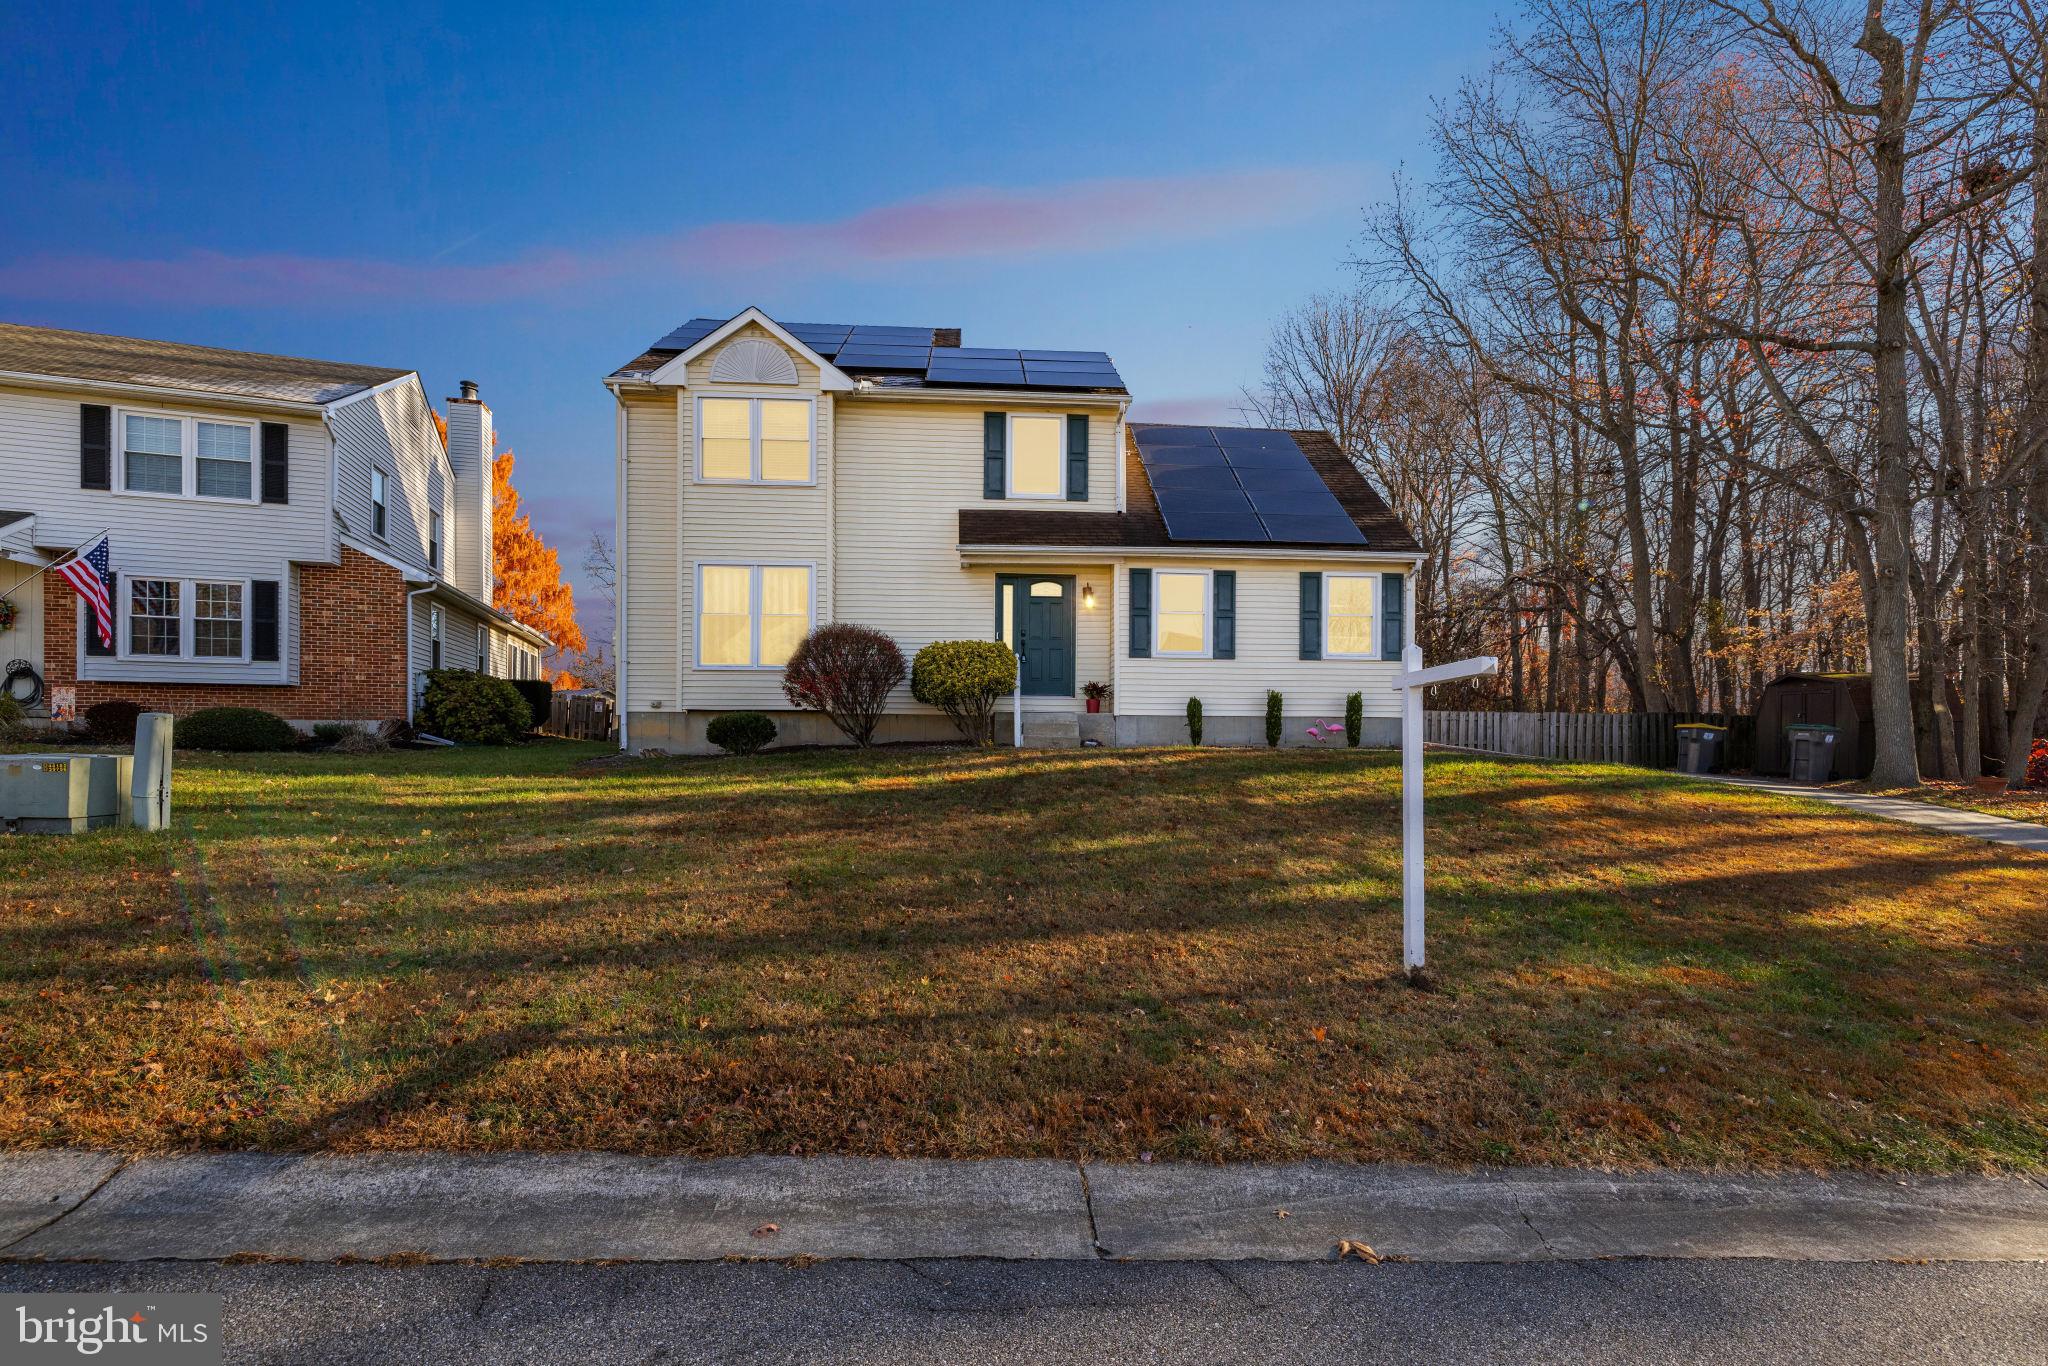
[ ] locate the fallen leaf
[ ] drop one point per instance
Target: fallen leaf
(1362, 1251)
(767, 1230)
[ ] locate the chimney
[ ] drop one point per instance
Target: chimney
(469, 456)
(945, 336)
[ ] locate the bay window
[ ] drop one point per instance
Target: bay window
(751, 616)
(754, 441)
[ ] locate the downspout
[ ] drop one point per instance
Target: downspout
(619, 613)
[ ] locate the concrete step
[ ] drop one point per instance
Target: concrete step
(1051, 730)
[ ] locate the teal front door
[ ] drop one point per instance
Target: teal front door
(1035, 616)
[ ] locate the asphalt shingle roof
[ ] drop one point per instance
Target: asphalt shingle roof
(177, 365)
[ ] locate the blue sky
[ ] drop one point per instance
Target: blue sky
(526, 195)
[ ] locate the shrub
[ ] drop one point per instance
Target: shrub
(233, 728)
(964, 679)
(846, 672)
(331, 732)
(361, 741)
(539, 696)
(1195, 721)
(2037, 765)
(473, 709)
(1272, 719)
(1354, 719)
(741, 732)
(13, 717)
(112, 723)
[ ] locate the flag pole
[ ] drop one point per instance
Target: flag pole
(63, 559)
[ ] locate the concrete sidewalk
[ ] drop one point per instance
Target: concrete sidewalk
(1976, 825)
(588, 1206)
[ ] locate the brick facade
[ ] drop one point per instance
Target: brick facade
(352, 651)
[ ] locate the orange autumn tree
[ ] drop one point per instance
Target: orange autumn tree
(528, 584)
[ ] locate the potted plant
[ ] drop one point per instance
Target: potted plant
(1096, 693)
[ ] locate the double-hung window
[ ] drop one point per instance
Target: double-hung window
(1037, 464)
(192, 619)
(483, 650)
(188, 457)
(434, 630)
(433, 540)
(379, 514)
(1348, 616)
(1181, 620)
(754, 441)
(751, 616)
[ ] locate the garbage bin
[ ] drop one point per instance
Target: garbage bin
(1812, 750)
(1699, 748)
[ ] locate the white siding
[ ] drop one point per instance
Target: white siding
(393, 431)
(1268, 652)
(651, 552)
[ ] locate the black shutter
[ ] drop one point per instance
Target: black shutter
(1393, 615)
(95, 446)
(263, 617)
(994, 431)
(85, 621)
(277, 467)
(1311, 615)
(1223, 608)
(1141, 614)
(1077, 457)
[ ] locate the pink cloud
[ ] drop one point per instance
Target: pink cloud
(1198, 409)
(1078, 217)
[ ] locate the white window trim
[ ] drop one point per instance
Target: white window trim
(188, 448)
(188, 601)
(483, 648)
(1208, 650)
(753, 610)
(437, 543)
(376, 474)
(1372, 616)
(1010, 458)
(754, 402)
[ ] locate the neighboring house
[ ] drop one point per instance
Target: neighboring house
(773, 477)
(286, 534)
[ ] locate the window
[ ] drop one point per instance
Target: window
(433, 637)
(188, 457)
(754, 440)
(377, 504)
(433, 540)
(225, 457)
(483, 650)
(153, 617)
(1182, 616)
(1038, 457)
(1348, 615)
(217, 620)
(751, 615)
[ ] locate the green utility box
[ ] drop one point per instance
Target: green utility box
(62, 794)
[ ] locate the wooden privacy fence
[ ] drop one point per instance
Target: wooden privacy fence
(1646, 739)
(580, 716)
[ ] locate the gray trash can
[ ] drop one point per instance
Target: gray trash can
(1699, 748)
(1812, 750)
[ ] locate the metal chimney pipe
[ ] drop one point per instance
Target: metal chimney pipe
(469, 390)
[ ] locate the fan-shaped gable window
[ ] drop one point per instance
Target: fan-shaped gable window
(753, 361)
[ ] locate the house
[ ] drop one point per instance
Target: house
(773, 476)
(286, 534)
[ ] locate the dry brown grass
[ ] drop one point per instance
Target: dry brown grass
(1183, 952)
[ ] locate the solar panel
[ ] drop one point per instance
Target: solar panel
(940, 353)
(919, 335)
(990, 372)
(859, 357)
(1100, 358)
(1240, 484)
(689, 334)
(1067, 375)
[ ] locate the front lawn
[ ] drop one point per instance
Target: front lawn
(1186, 953)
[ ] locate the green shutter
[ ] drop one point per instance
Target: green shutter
(1311, 615)
(1141, 614)
(1223, 611)
(1393, 615)
(994, 431)
(1077, 457)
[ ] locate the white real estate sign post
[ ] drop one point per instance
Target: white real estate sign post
(1410, 684)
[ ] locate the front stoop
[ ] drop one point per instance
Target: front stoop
(1052, 730)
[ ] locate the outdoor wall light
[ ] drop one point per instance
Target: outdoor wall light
(1088, 597)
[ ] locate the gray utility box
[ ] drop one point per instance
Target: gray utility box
(1699, 748)
(1812, 752)
(63, 794)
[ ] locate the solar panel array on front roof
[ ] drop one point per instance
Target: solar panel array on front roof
(909, 351)
(1240, 484)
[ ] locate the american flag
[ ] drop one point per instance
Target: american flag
(90, 572)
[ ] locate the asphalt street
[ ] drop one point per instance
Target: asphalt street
(969, 1311)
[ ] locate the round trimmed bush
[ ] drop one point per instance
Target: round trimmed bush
(112, 723)
(472, 708)
(233, 728)
(741, 732)
(847, 672)
(965, 679)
